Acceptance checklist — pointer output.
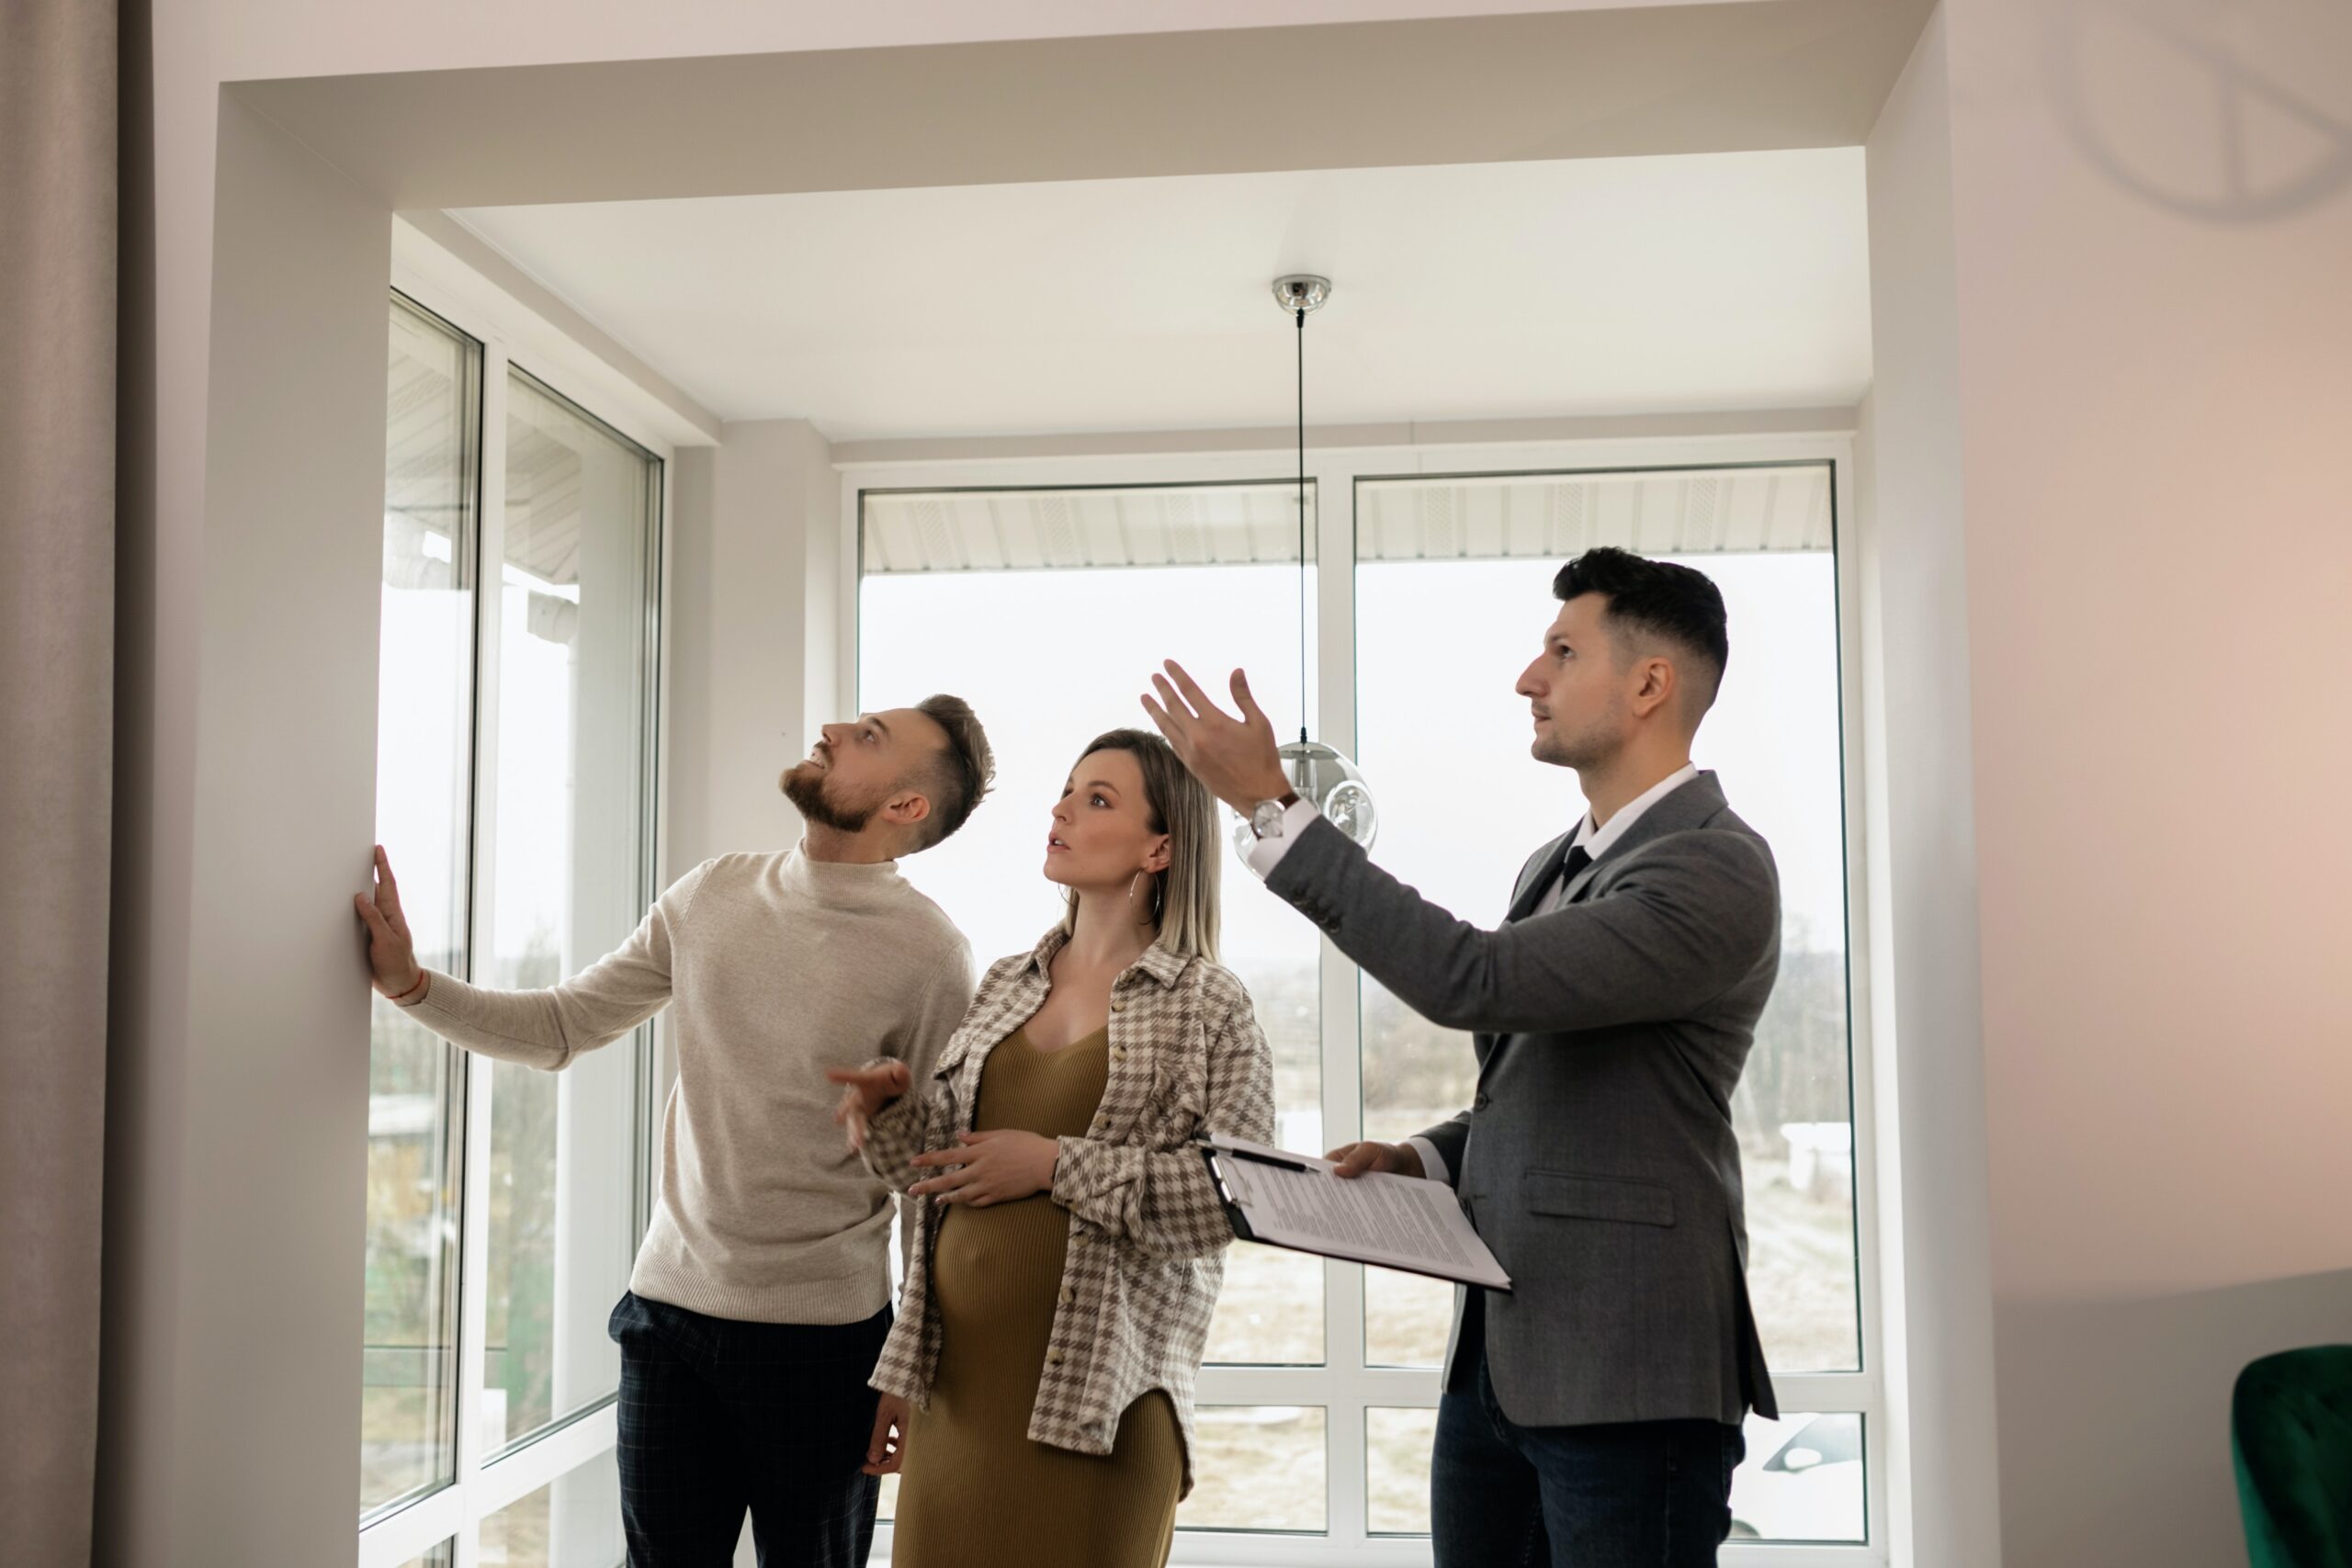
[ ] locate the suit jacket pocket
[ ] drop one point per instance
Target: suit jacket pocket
(1571, 1196)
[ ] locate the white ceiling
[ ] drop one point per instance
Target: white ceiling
(1483, 291)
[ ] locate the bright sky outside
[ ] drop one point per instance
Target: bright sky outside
(1050, 659)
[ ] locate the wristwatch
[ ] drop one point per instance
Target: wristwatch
(1266, 821)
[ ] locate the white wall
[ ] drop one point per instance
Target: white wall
(747, 641)
(242, 1130)
(2155, 380)
(1922, 905)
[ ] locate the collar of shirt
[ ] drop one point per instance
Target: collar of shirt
(1157, 961)
(1595, 841)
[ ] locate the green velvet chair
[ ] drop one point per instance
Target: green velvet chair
(2291, 1432)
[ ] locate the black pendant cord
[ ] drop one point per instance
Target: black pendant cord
(1302, 528)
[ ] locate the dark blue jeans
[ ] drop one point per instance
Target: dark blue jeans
(719, 1417)
(1640, 1494)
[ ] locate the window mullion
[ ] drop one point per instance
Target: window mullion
(404, 1536)
(1846, 526)
(473, 1274)
(542, 1462)
(1346, 1478)
(1827, 1393)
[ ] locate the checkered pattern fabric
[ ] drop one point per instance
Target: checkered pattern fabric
(1147, 1233)
(719, 1416)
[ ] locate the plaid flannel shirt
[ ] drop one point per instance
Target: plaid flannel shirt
(1147, 1231)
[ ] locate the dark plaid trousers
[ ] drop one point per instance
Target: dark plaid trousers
(719, 1417)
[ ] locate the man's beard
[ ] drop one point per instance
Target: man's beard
(805, 787)
(1590, 747)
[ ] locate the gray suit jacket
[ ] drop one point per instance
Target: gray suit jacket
(1598, 1159)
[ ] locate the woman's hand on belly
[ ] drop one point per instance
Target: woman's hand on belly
(990, 1167)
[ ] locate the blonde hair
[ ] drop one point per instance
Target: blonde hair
(1183, 898)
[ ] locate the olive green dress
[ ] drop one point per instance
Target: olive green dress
(975, 1491)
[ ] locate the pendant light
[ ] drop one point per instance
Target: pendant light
(1320, 774)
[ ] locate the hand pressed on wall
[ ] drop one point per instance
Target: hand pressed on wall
(391, 953)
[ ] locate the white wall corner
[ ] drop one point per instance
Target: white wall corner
(751, 612)
(1927, 1004)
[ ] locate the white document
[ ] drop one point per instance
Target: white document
(1398, 1222)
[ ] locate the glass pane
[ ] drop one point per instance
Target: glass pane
(1435, 710)
(1259, 1319)
(574, 1521)
(1802, 1481)
(1096, 636)
(1397, 1445)
(415, 1083)
(1259, 1467)
(1406, 1319)
(442, 1556)
(568, 882)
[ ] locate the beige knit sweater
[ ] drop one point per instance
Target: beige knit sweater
(779, 967)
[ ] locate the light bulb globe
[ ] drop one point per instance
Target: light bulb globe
(1328, 777)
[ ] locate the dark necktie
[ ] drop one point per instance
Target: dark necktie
(1539, 890)
(1576, 861)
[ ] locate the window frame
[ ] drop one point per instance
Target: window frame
(1344, 1387)
(512, 338)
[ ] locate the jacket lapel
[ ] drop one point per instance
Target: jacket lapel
(1535, 877)
(1686, 807)
(1538, 876)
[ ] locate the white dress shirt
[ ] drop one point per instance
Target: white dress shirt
(1595, 840)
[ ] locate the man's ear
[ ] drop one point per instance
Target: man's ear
(1656, 686)
(907, 808)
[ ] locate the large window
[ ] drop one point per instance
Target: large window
(423, 752)
(515, 753)
(1046, 616)
(1452, 592)
(1048, 607)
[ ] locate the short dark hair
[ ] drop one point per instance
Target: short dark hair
(962, 773)
(1677, 604)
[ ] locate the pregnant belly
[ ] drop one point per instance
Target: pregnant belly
(996, 1271)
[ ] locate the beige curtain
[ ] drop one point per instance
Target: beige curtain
(57, 172)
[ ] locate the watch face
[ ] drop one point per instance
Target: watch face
(1267, 818)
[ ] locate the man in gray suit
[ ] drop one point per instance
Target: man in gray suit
(1591, 1416)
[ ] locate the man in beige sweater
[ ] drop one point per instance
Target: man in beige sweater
(761, 1295)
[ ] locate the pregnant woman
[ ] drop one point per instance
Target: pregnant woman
(1068, 1244)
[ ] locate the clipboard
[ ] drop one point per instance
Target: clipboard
(1409, 1223)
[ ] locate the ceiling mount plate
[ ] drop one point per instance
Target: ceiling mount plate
(1302, 291)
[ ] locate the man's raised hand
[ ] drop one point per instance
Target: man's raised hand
(1237, 759)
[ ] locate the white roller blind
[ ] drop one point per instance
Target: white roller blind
(1684, 512)
(1679, 511)
(1029, 530)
